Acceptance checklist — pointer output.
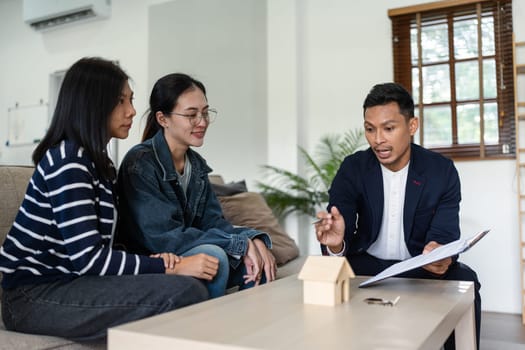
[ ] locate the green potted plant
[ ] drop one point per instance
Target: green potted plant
(286, 192)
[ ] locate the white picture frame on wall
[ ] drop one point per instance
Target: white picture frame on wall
(26, 124)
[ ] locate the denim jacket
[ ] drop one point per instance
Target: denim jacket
(155, 214)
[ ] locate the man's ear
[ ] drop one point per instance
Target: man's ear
(413, 125)
(161, 119)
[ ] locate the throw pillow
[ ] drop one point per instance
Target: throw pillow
(250, 209)
(229, 189)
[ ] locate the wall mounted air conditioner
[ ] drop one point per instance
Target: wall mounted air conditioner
(47, 14)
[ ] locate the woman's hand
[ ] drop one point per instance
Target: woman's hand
(201, 266)
(254, 264)
(170, 259)
(269, 265)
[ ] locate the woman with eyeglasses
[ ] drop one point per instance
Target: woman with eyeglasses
(167, 200)
(61, 275)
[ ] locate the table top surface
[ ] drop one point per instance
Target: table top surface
(273, 316)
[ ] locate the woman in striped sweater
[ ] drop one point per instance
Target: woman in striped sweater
(61, 275)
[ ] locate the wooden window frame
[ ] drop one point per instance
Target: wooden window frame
(404, 18)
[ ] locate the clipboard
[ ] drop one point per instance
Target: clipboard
(442, 252)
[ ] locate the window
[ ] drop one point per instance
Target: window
(457, 62)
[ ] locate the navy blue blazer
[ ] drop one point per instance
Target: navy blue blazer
(431, 210)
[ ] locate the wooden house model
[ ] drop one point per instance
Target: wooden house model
(326, 280)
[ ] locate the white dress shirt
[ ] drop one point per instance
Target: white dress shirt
(390, 243)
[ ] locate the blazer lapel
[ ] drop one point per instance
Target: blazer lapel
(416, 182)
(373, 181)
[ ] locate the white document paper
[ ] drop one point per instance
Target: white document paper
(442, 252)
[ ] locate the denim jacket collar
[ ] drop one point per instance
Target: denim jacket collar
(163, 158)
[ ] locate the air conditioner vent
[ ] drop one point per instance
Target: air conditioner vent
(59, 20)
(47, 14)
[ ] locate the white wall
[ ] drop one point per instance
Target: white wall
(226, 50)
(322, 58)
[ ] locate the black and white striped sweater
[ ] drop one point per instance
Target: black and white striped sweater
(65, 225)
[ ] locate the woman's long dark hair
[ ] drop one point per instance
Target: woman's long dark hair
(164, 96)
(90, 91)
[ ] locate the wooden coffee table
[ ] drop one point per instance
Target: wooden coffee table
(273, 316)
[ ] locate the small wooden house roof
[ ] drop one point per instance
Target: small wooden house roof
(326, 269)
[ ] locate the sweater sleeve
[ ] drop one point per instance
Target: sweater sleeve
(83, 208)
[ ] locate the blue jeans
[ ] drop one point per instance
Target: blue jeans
(226, 276)
(84, 308)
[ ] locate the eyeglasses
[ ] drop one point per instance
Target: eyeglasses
(195, 119)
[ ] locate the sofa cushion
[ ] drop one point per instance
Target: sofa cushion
(16, 340)
(244, 208)
(229, 189)
(250, 209)
(291, 268)
(216, 179)
(13, 185)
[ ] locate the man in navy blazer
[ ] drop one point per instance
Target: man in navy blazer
(395, 199)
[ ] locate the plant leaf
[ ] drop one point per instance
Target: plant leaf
(286, 192)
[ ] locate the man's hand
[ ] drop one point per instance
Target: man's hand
(330, 229)
(439, 267)
(201, 266)
(269, 265)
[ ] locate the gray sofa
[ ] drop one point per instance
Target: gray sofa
(13, 183)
